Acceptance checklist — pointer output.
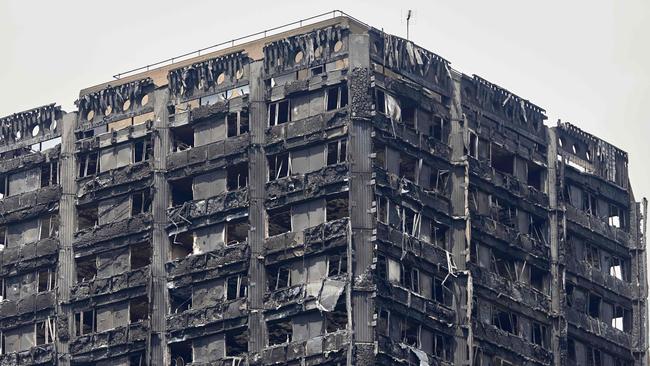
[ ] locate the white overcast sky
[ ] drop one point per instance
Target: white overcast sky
(586, 62)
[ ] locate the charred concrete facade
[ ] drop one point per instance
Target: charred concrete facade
(328, 195)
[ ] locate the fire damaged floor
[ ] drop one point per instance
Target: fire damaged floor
(330, 195)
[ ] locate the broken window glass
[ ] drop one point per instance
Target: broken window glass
(616, 217)
(617, 268)
(336, 97)
(279, 166)
(438, 180)
(503, 266)
(589, 203)
(279, 112)
(50, 174)
(336, 152)
(279, 278)
(44, 331)
(87, 216)
(236, 232)
(4, 187)
(49, 226)
(382, 209)
(437, 128)
(279, 221)
(538, 279)
(86, 268)
(85, 322)
(237, 176)
(141, 202)
(537, 228)
(379, 153)
(383, 322)
(408, 111)
(182, 138)
(504, 320)
(337, 264)
(279, 332)
(236, 287)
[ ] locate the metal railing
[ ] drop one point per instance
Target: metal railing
(248, 38)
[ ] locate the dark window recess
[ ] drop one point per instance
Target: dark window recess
(237, 123)
(46, 280)
(593, 307)
(441, 293)
(317, 70)
(503, 266)
(410, 333)
(141, 202)
(338, 319)
(180, 300)
(592, 256)
(279, 221)
(539, 334)
(181, 353)
(88, 164)
(537, 228)
(503, 212)
(472, 149)
(142, 150)
(594, 357)
(138, 309)
(505, 320)
(382, 209)
(502, 160)
(279, 112)
(337, 208)
(379, 152)
(44, 332)
(535, 176)
(538, 279)
(86, 268)
(85, 322)
(279, 332)
(617, 268)
(279, 278)
(569, 294)
(410, 278)
(237, 176)
(337, 264)
(439, 179)
(439, 234)
(4, 187)
(408, 222)
(182, 138)
(87, 217)
(409, 111)
(589, 203)
(50, 174)
(279, 166)
(49, 226)
(437, 128)
(382, 271)
(407, 166)
(442, 347)
(336, 97)
(182, 245)
(236, 287)
(236, 343)
(617, 217)
(571, 349)
(380, 101)
(138, 359)
(337, 152)
(181, 191)
(236, 232)
(140, 255)
(383, 322)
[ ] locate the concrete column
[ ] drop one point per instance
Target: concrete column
(257, 171)
(557, 269)
(461, 227)
(159, 301)
(67, 216)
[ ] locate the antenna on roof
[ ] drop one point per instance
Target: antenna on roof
(408, 20)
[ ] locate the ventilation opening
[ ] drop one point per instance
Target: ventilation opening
(181, 191)
(279, 221)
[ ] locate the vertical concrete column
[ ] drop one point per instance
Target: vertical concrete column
(558, 332)
(256, 213)
(67, 216)
(159, 301)
(461, 226)
(637, 276)
(361, 195)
